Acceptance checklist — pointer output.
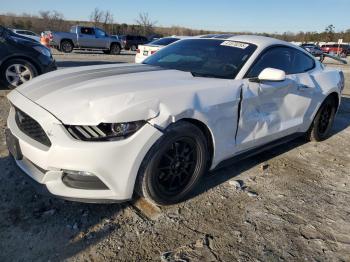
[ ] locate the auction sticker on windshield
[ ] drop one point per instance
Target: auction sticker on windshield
(235, 44)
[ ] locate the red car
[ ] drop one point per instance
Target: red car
(335, 48)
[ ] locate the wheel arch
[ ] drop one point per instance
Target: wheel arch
(66, 39)
(30, 60)
(335, 96)
(117, 43)
(206, 132)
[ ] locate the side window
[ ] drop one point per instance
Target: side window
(87, 31)
(276, 57)
(302, 63)
(100, 33)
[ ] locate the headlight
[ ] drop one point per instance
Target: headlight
(105, 132)
(43, 50)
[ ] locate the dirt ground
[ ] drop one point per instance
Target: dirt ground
(291, 203)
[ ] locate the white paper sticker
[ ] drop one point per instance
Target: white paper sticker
(235, 44)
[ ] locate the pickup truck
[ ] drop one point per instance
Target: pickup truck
(82, 37)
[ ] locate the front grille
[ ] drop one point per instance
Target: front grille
(86, 133)
(31, 128)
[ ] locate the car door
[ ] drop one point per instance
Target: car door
(272, 110)
(86, 37)
(102, 39)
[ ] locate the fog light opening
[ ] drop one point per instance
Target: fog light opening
(82, 180)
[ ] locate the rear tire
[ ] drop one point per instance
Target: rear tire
(66, 46)
(115, 49)
(323, 121)
(16, 72)
(174, 165)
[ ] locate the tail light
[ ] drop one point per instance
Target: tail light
(138, 51)
(152, 52)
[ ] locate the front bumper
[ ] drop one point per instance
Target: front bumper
(115, 163)
(47, 64)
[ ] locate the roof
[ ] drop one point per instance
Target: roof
(260, 41)
(176, 36)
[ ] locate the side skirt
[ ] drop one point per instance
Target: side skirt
(256, 151)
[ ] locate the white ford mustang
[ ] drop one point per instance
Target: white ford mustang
(98, 133)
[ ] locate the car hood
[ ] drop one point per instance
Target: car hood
(108, 93)
(24, 40)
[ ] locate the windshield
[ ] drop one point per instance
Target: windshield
(164, 41)
(204, 57)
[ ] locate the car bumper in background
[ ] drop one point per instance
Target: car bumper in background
(51, 67)
(47, 64)
(139, 59)
(112, 164)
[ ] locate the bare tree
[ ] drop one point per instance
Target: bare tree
(107, 20)
(52, 20)
(145, 23)
(96, 16)
(330, 32)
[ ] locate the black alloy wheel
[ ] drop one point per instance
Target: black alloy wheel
(174, 165)
(323, 121)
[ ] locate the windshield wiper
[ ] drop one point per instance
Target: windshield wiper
(196, 74)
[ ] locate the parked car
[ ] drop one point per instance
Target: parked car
(27, 33)
(99, 133)
(22, 59)
(313, 49)
(131, 42)
(343, 49)
(83, 37)
(146, 50)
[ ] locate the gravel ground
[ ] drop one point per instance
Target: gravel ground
(291, 203)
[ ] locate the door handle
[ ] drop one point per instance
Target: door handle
(302, 87)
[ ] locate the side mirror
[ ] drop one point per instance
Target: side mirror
(270, 74)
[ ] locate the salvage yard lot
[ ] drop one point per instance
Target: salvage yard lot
(290, 203)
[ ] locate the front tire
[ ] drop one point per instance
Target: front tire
(15, 72)
(115, 49)
(174, 165)
(321, 126)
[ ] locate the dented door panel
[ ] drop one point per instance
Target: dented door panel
(270, 110)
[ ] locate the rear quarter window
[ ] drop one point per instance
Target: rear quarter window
(302, 63)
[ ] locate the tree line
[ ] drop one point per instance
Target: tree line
(144, 25)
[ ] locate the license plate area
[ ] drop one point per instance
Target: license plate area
(13, 145)
(145, 53)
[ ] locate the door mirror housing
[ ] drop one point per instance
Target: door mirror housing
(270, 74)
